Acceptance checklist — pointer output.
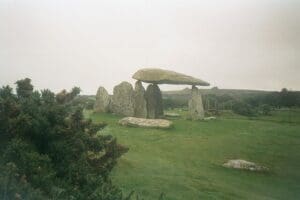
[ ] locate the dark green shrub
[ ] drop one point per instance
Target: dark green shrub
(52, 151)
(265, 109)
(243, 108)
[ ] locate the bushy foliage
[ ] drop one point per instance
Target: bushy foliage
(171, 103)
(243, 108)
(265, 109)
(49, 151)
(85, 101)
(224, 99)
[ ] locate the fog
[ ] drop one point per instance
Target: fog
(249, 44)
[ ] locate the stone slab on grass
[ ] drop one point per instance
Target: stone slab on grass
(172, 114)
(245, 165)
(209, 118)
(146, 123)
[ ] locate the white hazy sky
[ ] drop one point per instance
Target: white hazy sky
(253, 44)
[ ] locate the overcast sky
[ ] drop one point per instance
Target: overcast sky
(253, 44)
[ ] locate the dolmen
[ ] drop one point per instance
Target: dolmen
(140, 103)
(153, 95)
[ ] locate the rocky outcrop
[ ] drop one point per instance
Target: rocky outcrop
(102, 101)
(196, 110)
(140, 105)
(154, 102)
(160, 76)
(145, 123)
(123, 99)
(243, 164)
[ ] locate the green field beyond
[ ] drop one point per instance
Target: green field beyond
(185, 162)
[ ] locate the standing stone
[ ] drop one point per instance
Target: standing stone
(140, 105)
(123, 99)
(154, 102)
(102, 101)
(110, 109)
(196, 110)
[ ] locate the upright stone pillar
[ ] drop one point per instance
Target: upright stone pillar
(122, 100)
(154, 102)
(102, 101)
(196, 110)
(140, 104)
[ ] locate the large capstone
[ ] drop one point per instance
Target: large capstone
(161, 76)
(196, 110)
(140, 105)
(123, 99)
(154, 102)
(102, 101)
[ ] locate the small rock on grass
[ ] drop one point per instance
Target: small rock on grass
(209, 118)
(245, 165)
(171, 114)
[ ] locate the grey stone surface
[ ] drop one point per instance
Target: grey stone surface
(196, 110)
(123, 99)
(140, 105)
(243, 164)
(209, 118)
(154, 102)
(171, 114)
(146, 123)
(102, 101)
(161, 76)
(110, 103)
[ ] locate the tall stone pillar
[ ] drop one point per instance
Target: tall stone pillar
(196, 110)
(102, 101)
(154, 102)
(122, 100)
(140, 104)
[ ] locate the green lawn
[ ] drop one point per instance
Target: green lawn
(185, 162)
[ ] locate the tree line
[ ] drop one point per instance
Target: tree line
(242, 102)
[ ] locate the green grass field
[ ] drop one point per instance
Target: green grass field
(185, 162)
